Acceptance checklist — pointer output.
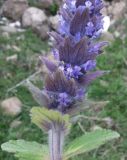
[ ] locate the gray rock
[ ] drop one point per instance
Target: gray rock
(11, 106)
(10, 29)
(33, 17)
(14, 8)
(42, 31)
(118, 9)
(45, 3)
(3, 21)
(12, 58)
(53, 21)
(58, 2)
(15, 24)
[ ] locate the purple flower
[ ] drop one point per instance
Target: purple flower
(77, 15)
(90, 29)
(63, 99)
(80, 56)
(75, 51)
(56, 54)
(77, 58)
(71, 72)
(80, 94)
(61, 92)
(70, 4)
(89, 65)
(77, 72)
(88, 4)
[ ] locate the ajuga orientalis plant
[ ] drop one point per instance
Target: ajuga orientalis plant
(75, 48)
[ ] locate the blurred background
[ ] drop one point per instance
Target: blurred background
(23, 37)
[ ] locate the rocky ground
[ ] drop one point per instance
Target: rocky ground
(23, 37)
(18, 15)
(40, 15)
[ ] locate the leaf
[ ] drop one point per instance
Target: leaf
(25, 150)
(89, 141)
(46, 119)
(39, 96)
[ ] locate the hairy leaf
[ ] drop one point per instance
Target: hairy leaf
(88, 142)
(25, 150)
(46, 119)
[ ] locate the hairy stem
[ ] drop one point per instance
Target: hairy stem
(56, 138)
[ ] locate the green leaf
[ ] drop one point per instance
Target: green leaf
(89, 141)
(25, 150)
(46, 119)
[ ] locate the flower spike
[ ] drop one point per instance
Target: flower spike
(75, 51)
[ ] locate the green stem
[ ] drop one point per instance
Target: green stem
(56, 138)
